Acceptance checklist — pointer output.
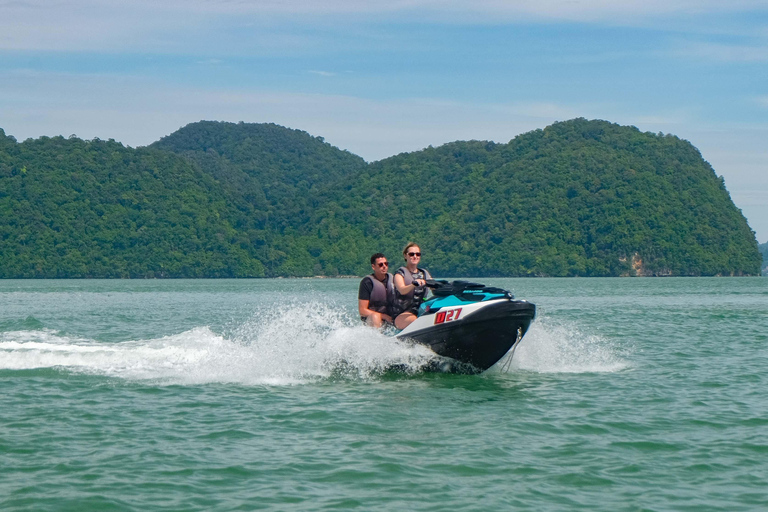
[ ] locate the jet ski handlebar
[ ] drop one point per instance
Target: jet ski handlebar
(442, 288)
(441, 283)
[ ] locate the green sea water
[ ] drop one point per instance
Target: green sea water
(625, 395)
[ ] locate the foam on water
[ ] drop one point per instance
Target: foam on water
(293, 344)
(556, 347)
(290, 344)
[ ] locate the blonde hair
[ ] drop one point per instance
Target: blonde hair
(405, 251)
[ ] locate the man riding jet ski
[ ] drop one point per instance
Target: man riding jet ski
(470, 323)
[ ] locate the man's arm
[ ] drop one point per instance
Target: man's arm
(362, 307)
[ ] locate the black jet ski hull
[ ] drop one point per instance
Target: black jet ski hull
(478, 341)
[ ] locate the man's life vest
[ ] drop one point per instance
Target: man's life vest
(382, 295)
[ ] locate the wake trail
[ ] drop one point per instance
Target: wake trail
(289, 345)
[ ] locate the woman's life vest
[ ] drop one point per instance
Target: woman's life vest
(414, 298)
(382, 295)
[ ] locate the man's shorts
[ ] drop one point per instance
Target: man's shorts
(365, 320)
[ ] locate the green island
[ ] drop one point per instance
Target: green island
(215, 199)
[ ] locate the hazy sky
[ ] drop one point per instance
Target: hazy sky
(382, 77)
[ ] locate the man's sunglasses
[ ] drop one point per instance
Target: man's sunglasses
(383, 264)
(414, 254)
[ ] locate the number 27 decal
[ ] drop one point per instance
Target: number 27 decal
(447, 316)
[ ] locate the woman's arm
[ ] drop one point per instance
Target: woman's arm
(407, 288)
(400, 285)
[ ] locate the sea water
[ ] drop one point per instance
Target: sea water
(626, 394)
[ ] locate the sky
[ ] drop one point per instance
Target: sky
(380, 78)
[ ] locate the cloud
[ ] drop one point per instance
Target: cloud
(172, 25)
(211, 62)
(726, 52)
(569, 9)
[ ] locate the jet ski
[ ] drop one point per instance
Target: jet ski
(472, 326)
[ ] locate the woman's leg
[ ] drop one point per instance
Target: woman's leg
(403, 320)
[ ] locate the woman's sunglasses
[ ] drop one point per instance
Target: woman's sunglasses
(414, 254)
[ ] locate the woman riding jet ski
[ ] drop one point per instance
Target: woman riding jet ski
(472, 324)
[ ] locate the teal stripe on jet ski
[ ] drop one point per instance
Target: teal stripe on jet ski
(453, 300)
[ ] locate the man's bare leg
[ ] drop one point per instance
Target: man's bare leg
(374, 320)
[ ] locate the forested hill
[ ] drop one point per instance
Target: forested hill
(275, 175)
(577, 198)
(75, 208)
(764, 251)
(586, 198)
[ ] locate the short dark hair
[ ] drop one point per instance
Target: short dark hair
(376, 256)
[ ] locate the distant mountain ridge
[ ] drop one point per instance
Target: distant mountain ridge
(578, 198)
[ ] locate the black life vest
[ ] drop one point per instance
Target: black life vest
(416, 296)
(382, 295)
